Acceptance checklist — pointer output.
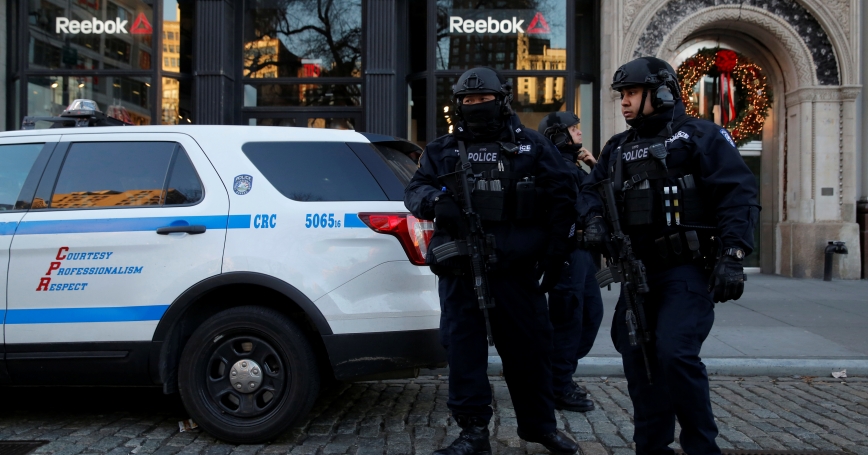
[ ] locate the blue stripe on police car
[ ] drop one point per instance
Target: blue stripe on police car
(130, 224)
(79, 315)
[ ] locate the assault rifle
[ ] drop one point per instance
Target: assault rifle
(478, 245)
(624, 267)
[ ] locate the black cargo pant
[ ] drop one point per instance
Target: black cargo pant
(522, 335)
(576, 312)
(680, 314)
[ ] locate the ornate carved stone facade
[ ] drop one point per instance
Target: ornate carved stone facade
(812, 145)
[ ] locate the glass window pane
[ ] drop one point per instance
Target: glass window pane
(314, 171)
(112, 174)
(443, 107)
(417, 129)
(338, 123)
(273, 122)
(177, 36)
(124, 98)
(176, 101)
(15, 163)
(303, 38)
(402, 164)
(303, 95)
(587, 45)
(585, 111)
(184, 187)
(503, 34)
(90, 34)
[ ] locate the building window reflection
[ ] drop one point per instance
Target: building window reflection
(502, 34)
(288, 46)
(175, 42)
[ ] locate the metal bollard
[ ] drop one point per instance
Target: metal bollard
(832, 248)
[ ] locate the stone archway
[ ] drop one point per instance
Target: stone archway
(809, 177)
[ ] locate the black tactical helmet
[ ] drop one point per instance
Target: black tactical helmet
(482, 80)
(643, 71)
(652, 73)
(555, 126)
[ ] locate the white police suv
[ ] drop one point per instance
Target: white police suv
(241, 266)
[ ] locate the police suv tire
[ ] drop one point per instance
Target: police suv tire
(265, 348)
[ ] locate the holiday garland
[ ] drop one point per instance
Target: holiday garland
(748, 79)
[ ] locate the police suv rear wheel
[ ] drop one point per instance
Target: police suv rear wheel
(247, 374)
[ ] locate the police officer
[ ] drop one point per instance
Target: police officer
(529, 209)
(575, 304)
(690, 208)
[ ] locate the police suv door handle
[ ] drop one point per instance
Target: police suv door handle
(194, 229)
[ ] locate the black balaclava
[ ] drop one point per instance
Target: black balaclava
(484, 120)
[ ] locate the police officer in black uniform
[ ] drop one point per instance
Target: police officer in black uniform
(575, 303)
(690, 208)
(529, 208)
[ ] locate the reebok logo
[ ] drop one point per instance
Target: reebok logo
(457, 24)
(87, 27)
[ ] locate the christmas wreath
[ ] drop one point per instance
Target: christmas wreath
(744, 95)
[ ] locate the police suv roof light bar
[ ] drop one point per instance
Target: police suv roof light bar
(79, 113)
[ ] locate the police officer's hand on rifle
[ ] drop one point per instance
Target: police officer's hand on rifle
(596, 234)
(727, 279)
(448, 217)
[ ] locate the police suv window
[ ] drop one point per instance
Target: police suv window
(399, 163)
(183, 186)
(122, 174)
(15, 163)
(314, 171)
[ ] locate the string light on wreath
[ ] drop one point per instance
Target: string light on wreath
(747, 79)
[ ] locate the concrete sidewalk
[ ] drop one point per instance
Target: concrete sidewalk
(779, 327)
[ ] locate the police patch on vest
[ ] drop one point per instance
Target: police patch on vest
(636, 153)
(676, 136)
(725, 134)
(524, 148)
(482, 156)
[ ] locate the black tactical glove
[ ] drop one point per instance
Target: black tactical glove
(595, 234)
(727, 279)
(448, 217)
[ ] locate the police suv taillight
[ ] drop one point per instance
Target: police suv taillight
(413, 233)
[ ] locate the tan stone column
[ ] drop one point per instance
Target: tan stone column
(821, 180)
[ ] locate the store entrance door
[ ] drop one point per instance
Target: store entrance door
(752, 154)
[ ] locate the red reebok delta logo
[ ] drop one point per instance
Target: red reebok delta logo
(141, 26)
(537, 25)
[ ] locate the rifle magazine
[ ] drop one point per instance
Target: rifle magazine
(449, 250)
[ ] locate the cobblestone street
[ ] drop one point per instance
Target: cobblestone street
(410, 416)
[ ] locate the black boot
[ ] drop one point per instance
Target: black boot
(473, 439)
(573, 401)
(581, 392)
(557, 442)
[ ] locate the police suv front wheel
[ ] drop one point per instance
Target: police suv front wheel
(247, 374)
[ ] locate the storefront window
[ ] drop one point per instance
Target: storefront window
(176, 39)
(585, 111)
(502, 34)
(176, 101)
(115, 34)
(124, 98)
(302, 95)
(303, 38)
